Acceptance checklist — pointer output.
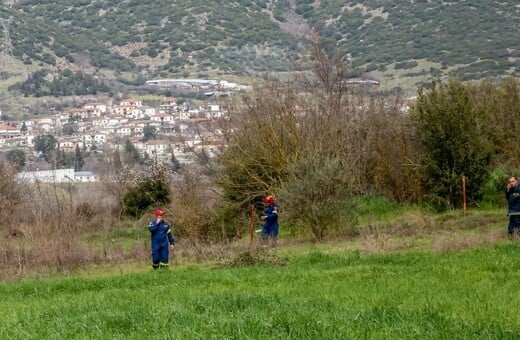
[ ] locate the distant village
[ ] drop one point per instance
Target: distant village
(180, 130)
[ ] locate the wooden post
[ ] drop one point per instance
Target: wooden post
(252, 222)
(464, 194)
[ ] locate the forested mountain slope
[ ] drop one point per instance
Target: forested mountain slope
(469, 39)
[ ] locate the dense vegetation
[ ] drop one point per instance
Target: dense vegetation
(322, 146)
(64, 83)
(249, 36)
(316, 148)
(379, 33)
(313, 295)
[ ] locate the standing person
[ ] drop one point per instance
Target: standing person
(513, 201)
(270, 218)
(161, 237)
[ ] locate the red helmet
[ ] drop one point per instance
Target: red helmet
(159, 212)
(269, 199)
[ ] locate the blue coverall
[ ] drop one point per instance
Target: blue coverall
(513, 211)
(162, 237)
(270, 227)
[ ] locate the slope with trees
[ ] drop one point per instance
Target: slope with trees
(162, 38)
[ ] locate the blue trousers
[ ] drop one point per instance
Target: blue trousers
(269, 230)
(514, 222)
(160, 255)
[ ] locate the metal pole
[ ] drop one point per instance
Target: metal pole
(252, 222)
(464, 194)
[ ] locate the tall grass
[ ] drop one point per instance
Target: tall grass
(315, 295)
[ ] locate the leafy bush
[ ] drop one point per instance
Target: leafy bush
(455, 144)
(493, 190)
(406, 64)
(315, 192)
(17, 158)
(150, 192)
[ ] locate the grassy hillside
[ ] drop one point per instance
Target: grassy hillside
(311, 295)
(160, 38)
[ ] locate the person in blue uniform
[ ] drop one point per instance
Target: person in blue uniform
(162, 240)
(270, 218)
(513, 202)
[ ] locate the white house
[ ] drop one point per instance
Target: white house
(85, 176)
(157, 147)
(131, 102)
(162, 118)
(100, 138)
(47, 176)
(43, 124)
(8, 131)
(101, 108)
(149, 111)
(100, 122)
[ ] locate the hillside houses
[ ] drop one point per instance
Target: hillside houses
(104, 127)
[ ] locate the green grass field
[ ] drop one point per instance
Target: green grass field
(312, 294)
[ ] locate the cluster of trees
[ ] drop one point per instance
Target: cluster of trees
(373, 34)
(377, 34)
(224, 22)
(47, 148)
(317, 144)
(65, 83)
(35, 39)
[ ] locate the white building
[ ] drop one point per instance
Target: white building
(47, 176)
(57, 176)
(85, 176)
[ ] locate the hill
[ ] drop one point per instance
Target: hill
(162, 38)
(122, 44)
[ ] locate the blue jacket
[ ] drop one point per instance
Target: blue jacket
(161, 233)
(513, 200)
(271, 216)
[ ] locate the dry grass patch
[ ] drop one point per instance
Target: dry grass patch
(449, 241)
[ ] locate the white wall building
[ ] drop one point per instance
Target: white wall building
(57, 176)
(47, 176)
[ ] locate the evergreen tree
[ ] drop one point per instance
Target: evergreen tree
(132, 155)
(148, 132)
(16, 157)
(450, 130)
(146, 194)
(117, 161)
(61, 159)
(78, 159)
(69, 129)
(176, 165)
(46, 145)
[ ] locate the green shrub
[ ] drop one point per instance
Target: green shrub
(493, 190)
(314, 193)
(150, 192)
(450, 129)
